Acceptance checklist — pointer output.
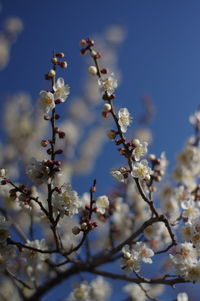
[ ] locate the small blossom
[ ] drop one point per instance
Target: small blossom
(61, 90)
(46, 101)
(140, 150)
(38, 172)
(33, 256)
(67, 201)
(144, 252)
(100, 289)
(141, 170)
(117, 174)
(195, 119)
(191, 212)
(124, 119)
(130, 262)
(102, 203)
(108, 85)
(80, 293)
(182, 297)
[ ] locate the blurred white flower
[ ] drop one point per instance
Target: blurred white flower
(182, 297)
(102, 203)
(37, 171)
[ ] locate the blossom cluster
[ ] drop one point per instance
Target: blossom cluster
(51, 237)
(133, 256)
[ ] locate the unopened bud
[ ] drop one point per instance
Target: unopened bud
(104, 70)
(84, 226)
(83, 42)
(63, 64)
(147, 177)
(135, 142)
(58, 101)
(46, 117)
(152, 157)
(57, 116)
(51, 73)
(92, 70)
(61, 135)
(111, 134)
(127, 255)
(107, 107)
(76, 230)
(60, 54)
(54, 60)
(59, 152)
(44, 143)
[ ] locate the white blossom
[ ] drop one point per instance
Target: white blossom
(61, 90)
(190, 212)
(140, 150)
(136, 293)
(117, 174)
(67, 201)
(100, 289)
(130, 262)
(37, 171)
(108, 85)
(182, 297)
(46, 101)
(80, 293)
(32, 256)
(124, 119)
(144, 252)
(195, 118)
(141, 170)
(102, 203)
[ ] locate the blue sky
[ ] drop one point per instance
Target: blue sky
(160, 57)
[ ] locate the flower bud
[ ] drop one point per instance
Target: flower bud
(54, 60)
(58, 101)
(111, 134)
(44, 143)
(83, 42)
(51, 73)
(84, 226)
(92, 70)
(60, 54)
(152, 157)
(46, 117)
(2, 173)
(104, 70)
(107, 107)
(59, 152)
(76, 230)
(63, 64)
(135, 142)
(127, 255)
(147, 177)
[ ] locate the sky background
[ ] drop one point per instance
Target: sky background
(160, 57)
